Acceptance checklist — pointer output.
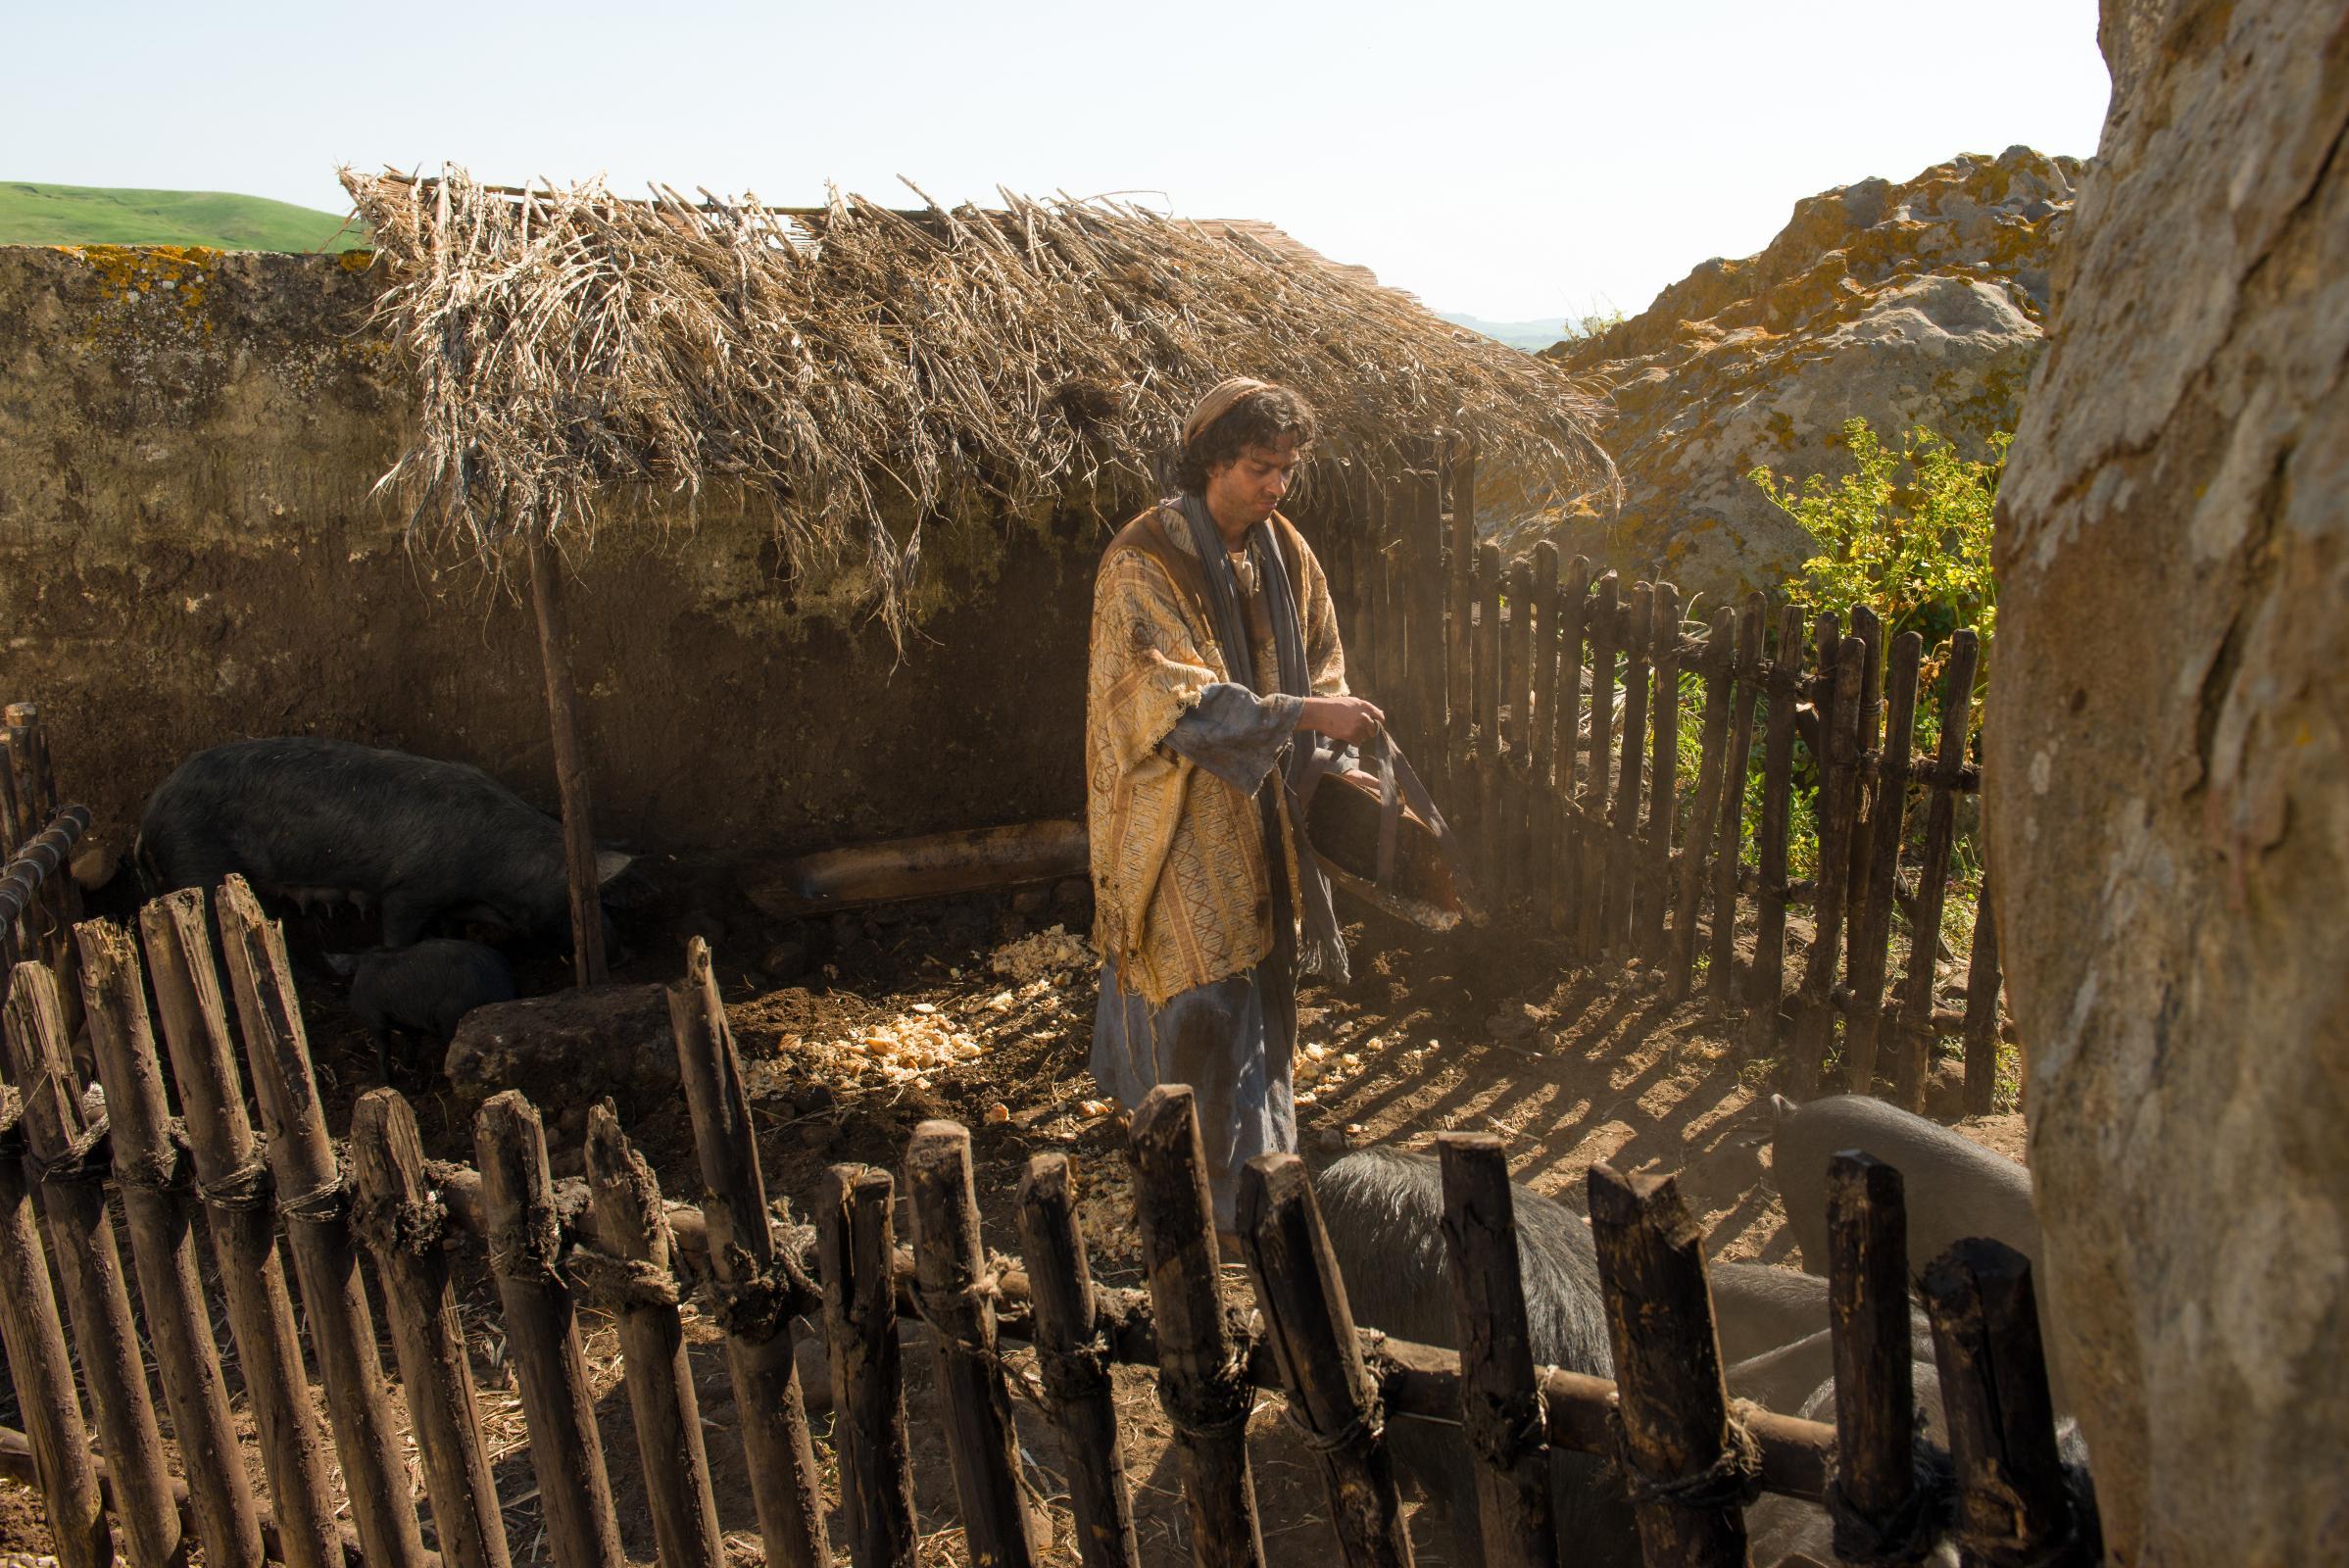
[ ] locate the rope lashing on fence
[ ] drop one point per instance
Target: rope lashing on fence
(528, 1253)
(617, 1284)
(1080, 1371)
(168, 1169)
(1504, 1429)
(1368, 1426)
(1220, 1405)
(1909, 1532)
(241, 1191)
(2083, 1541)
(390, 1225)
(758, 1303)
(86, 1161)
(985, 1289)
(1732, 1481)
(327, 1203)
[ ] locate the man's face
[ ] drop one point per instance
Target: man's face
(1252, 485)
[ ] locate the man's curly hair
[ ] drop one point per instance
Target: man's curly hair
(1267, 418)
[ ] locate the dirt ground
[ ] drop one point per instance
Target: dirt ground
(981, 1010)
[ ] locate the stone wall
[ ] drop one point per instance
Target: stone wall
(2168, 782)
(190, 553)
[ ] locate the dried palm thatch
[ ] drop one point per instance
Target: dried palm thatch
(869, 370)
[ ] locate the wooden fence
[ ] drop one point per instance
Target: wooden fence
(1555, 707)
(1691, 1456)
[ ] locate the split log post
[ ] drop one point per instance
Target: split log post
(315, 1204)
(1386, 621)
(1677, 1433)
(1606, 641)
(628, 1271)
(1073, 1358)
(855, 1235)
(1815, 1010)
(68, 1167)
(1654, 879)
(404, 1226)
(1730, 853)
(571, 760)
(1459, 576)
(1536, 807)
(1916, 1023)
(954, 1287)
(240, 1209)
(1500, 1403)
(1872, 933)
(41, 1368)
(1620, 917)
(1869, 627)
(1331, 1391)
(1767, 981)
(2012, 1504)
(542, 1335)
(158, 1208)
(758, 1289)
(1208, 1398)
(1573, 603)
(1981, 1028)
(1868, 1322)
(1491, 758)
(1510, 884)
(1719, 675)
(1423, 533)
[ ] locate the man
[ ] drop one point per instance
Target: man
(1214, 644)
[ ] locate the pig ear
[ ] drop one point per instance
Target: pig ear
(611, 863)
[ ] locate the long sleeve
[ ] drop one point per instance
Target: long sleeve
(1235, 734)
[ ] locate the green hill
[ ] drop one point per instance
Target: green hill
(83, 215)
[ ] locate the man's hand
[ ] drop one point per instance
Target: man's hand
(1345, 719)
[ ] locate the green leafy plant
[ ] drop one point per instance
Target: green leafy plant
(1906, 532)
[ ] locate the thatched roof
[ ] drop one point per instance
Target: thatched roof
(869, 370)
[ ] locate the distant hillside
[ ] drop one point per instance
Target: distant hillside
(83, 215)
(1527, 336)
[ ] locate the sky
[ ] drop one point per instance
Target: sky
(1508, 161)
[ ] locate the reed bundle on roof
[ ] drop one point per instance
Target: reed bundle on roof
(857, 364)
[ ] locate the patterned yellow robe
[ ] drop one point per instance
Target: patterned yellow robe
(1181, 890)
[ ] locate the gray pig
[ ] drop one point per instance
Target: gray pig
(1955, 1188)
(420, 839)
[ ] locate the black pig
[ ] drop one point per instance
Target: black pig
(416, 838)
(424, 989)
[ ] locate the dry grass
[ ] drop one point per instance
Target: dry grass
(872, 372)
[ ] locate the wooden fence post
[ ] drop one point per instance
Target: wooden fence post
(1539, 807)
(157, 1207)
(335, 1302)
(1719, 673)
(1654, 879)
(855, 1235)
(1869, 627)
(630, 1273)
(1876, 1402)
(1518, 729)
(1331, 1391)
(955, 1291)
(525, 1245)
(1933, 872)
(1459, 580)
(758, 1290)
(1768, 977)
(1981, 1028)
(41, 1368)
(1423, 530)
(1594, 848)
(1676, 1425)
(1815, 1000)
(1500, 1403)
(1207, 1397)
(68, 1162)
(1620, 914)
(240, 1209)
(1730, 853)
(1872, 933)
(571, 758)
(1491, 757)
(1564, 863)
(2013, 1506)
(1074, 1364)
(404, 1224)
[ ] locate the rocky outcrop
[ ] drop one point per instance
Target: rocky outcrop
(1923, 303)
(2168, 785)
